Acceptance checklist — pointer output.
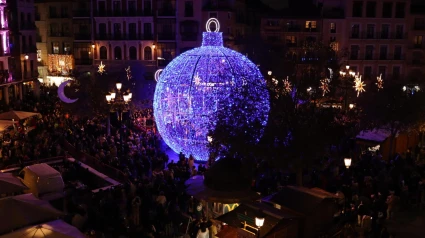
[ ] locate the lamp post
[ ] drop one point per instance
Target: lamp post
(118, 102)
(259, 221)
(346, 75)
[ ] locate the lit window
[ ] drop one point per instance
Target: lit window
(291, 39)
(418, 40)
(310, 24)
(66, 47)
(333, 27)
(55, 47)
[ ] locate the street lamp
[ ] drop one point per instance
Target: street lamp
(118, 102)
(93, 46)
(346, 76)
(347, 162)
(269, 73)
(259, 221)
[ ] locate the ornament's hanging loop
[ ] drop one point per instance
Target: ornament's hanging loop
(215, 21)
(157, 73)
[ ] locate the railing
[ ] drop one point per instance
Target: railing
(378, 35)
(81, 13)
(60, 34)
(95, 163)
(124, 37)
(166, 36)
(83, 61)
(146, 12)
(56, 15)
(166, 12)
(82, 36)
(379, 57)
(28, 26)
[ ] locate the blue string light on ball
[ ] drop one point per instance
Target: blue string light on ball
(194, 86)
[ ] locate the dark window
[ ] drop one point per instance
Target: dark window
(132, 31)
(385, 31)
(103, 52)
(396, 72)
(370, 31)
(369, 52)
(147, 31)
(397, 52)
(188, 9)
(399, 32)
(382, 70)
(147, 8)
(387, 10)
(354, 52)
(64, 12)
(117, 53)
(357, 9)
(383, 52)
(52, 12)
(419, 24)
(132, 8)
(102, 29)
(117, 8)
(32, 68)
(355, 31)
(102, 8)
(22, 23)
(133, 53)
(117, 31)
(371, 9)
(147, 53)
(400, 10)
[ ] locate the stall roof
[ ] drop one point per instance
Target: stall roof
(299, 199)
(17, 115)
(43, 169)
(4, 124)
(375, 135)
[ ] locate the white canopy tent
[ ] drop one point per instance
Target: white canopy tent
(53, 229)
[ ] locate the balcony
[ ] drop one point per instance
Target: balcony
(82, 36)
(167, 12)
(293, 28)
(124, 37)
(418, 27)
(378, 35)
(28, 26)
(167, 36)
(60, 34)
(213, 5)
(53, 15)
(29, 49)
(81, 13)
(387, 57)
(83, 61)
(121, 13)
(163, 62)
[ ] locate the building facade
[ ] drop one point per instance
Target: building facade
(18, 64)
(381, 37)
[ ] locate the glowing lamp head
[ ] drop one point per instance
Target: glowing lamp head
(126, 98)
(153, 46)
(93, 46)
(39, 59)
(198, 84)
(108, 98)
(347, 67)
(259, 219)
(113, 96)
(26, 57)
(351, 106)
(118, 85)
(269, 73)
(130, 95)
(404, 88)
(347, 162)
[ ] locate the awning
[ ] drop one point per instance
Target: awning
(53, 229)
(375, 135)
(5, 124)
(10, 184)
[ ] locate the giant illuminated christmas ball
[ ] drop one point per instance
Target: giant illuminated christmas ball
(195, 85)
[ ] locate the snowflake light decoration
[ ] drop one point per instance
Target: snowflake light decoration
(101, 68)
(359, 85)
(287, 86)
(380, 82)
(324, 86)
(197, 84)
(128, 71)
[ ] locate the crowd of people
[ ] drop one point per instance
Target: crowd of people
(153, 202)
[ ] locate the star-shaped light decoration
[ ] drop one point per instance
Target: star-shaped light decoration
(359, 85)
(287, 86)
(197, 79)
(101, 68)
(274, 81)
(380, 82)
(324, 86)
(128, 70)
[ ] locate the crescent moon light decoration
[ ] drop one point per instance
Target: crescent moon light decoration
(62, 95)
(157, 73)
